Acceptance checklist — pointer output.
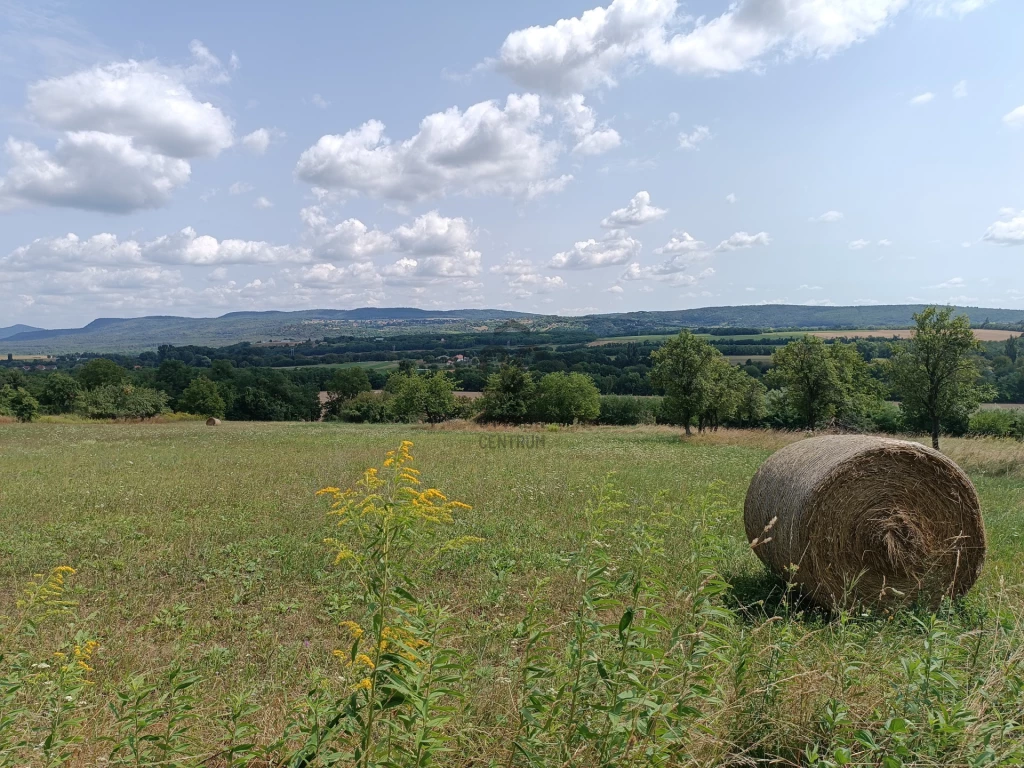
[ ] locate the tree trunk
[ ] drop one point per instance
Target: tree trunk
(935, 433)
(688, 432)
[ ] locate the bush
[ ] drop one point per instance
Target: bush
(568, 398)
(887, 417)
(998, 423)
(624, 410)
(122, 401)
(19, 403)
(365, 408)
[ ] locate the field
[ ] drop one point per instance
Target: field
(204, 549)
(981, 334)
(372, 365)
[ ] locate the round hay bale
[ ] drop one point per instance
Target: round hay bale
(868, 519)
(212, 422)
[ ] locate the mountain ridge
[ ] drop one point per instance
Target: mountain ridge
(111, 334)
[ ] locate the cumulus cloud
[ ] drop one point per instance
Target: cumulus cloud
(129, 131)
(239, 188)
(584, 52)
(259, 140)
(828, 217)
(614, 248)
(639, 211)
(857, 245)
(921, 98)
(348, 240)
(960, 90)
(90, 170)
(693, 138)
(741, 240)
(1009, 230)
(1015, 119)
(594, 49)
(523, 280)
(488, 149)
(682, 242)
(730, 198)
(582, 122)
(70, 253)
(262, 203)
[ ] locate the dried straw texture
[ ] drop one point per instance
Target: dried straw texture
(866, 518)
(213, 422)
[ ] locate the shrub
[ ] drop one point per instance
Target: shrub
(623, 410)
(122, 401)
(887, 417)
(19, 403)
(365, 408)
(998, 423)
(202, 397)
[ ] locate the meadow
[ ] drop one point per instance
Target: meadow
(640, 630)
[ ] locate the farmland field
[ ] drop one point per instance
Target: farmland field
(204, 548)
(981, 334)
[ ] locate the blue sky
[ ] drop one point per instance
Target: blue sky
(556, 157)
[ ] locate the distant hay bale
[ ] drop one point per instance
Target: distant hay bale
(212, 422)
(868, 518)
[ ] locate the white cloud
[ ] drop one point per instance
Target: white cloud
(819, 303)
(615, 248)
(434, 234)
(682, 242)
(828, 217)
(639, 211)
(128, 129)
(584, 52)
(259, 140)
(857, 245)
(582, 122)
(616, 289)
(741, 240)
(1015, 119)
(144, 100)
(262, 203)
(319, 101)
(885, 243)
(960, 90)
(943, 8)
(523, 279)
(744, 36)
(239, 188)
(488, 149)
(696, 136)
(953, 282)
(921, 98)
(730, 198)
(349, 240)
(73, 254)
(591, 50)
(806, 287)
(90, 170)
(1009, 230)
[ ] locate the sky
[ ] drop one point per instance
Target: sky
(555, 157)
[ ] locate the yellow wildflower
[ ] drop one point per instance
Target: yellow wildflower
(353, 629)
(364, 684)
(365, 660)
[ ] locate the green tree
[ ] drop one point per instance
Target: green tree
(122, 401)
(508, 395)
(565, 398)
(823, 381)
(725, 382)
(429, 397)
(933, 373)
(19, 403)
(60, 392)
(202, 397)
(751, 408)
(345, 384)
(684, 369)
(99, 372)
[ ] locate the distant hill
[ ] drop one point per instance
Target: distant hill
(11, 330)
(141, 333)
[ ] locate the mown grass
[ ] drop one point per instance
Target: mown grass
(203, 547)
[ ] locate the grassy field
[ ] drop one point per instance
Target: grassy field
(204, 549)
(982, 334)
(371, 365)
